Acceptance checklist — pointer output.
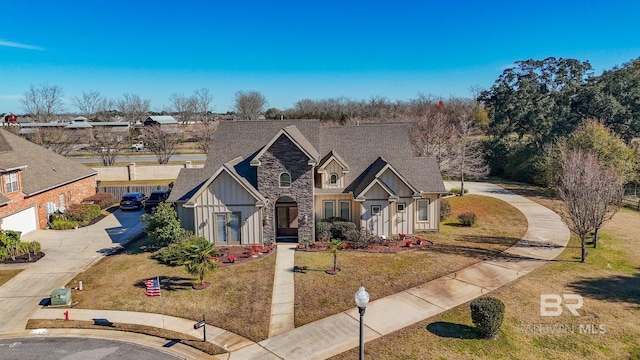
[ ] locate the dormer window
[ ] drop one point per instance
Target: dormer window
(285, 180)
(11, 182)
(333, 179)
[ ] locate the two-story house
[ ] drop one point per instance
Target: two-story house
(275, 179)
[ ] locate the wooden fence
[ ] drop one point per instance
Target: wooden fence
(631, 202)
(119, 191)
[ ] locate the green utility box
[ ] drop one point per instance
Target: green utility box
(61, 297)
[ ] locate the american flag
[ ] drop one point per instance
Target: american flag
(153, 287)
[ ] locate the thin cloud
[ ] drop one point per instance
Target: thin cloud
(19, 45)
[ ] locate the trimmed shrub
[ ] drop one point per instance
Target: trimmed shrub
(487, 314)
(82, 213)
(339, 229)
(163, 226)
(445, 209)
(335, 219)
(323, 230)
(61, 224)
(456, 191)
(360, 239)
(467, 218)
(102, 199)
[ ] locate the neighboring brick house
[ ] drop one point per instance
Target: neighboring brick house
(274, 179)
(36, 182)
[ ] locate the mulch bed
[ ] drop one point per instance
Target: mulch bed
(242, 254)
(391, 247)
(23, 259)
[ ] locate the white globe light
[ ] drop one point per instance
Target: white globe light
(362, 297)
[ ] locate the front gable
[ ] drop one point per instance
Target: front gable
(289, 137)
(225, 188)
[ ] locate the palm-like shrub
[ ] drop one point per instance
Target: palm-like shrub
(334, 246)
(199, 256)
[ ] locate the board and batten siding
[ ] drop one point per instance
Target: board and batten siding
(318, 206)
(396, 184)
(226, 195)
(403, 220)
(379, 224)
(332, 168)
(433, 220)
(186, 217)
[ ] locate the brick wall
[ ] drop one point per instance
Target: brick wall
(74, 194)
(282, 156)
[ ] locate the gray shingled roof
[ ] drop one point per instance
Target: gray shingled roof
(44, 169)
(361, 145)
(358, 145)
(163, 119)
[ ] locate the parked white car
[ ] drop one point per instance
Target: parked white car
(139, 146)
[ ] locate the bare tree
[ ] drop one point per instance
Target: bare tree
(162, 143)
(57, 139)
(202, 99)
(43, 103)
(91, 104)
(468, 155)
(105, 146)
(590, 193)
(249, 105)
(432, 132)
(185, 107)
(132, 107)
(205, 135)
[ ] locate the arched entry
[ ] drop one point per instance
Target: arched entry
(286, 219)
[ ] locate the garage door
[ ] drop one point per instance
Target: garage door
(25, 221)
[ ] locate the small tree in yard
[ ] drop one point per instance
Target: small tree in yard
(335, 245)
(487, 314)
(590, 193)
(199, 256)
(163, 227)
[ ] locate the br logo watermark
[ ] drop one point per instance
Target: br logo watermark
(553, 304)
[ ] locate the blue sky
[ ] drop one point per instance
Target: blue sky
(292, 50)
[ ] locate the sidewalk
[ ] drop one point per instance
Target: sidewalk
(68, 253)
(282, 300)
(545, 239)
(219, 337)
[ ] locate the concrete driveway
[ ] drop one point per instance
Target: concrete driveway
(68, 252)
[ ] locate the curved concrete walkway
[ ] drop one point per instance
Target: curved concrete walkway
(546, 237)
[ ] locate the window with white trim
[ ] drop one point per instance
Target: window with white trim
(329, 209)
(400, 207)
(285, 180)
(345, 210)
(11, 182)
(333, 179)
(423, 210)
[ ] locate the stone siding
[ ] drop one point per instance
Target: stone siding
(285, 156)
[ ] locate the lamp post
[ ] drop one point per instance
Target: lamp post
(362, 299)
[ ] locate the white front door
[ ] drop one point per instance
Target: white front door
(375, 217)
